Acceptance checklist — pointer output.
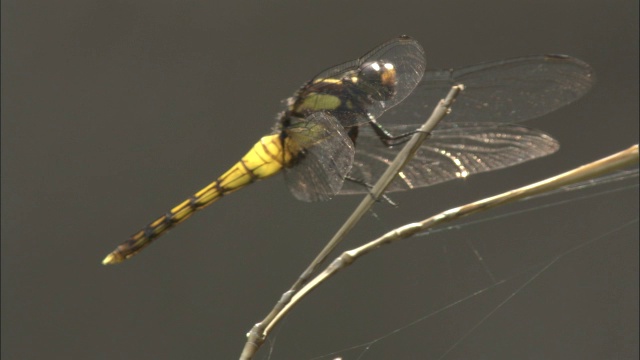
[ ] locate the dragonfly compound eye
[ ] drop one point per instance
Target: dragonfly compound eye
(378, 79)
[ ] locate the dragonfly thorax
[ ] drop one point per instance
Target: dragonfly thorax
(348, 96)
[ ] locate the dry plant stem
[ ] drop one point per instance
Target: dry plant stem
(592, 170)
(257, 335)
(404, 156)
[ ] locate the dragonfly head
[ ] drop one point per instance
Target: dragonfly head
(378, 79)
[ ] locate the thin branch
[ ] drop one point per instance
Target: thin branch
(592, 170)
(257, 335)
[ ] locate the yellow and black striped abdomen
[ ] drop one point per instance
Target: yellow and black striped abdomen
(266, 158)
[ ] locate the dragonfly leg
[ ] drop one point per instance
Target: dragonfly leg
(368, 186)
(386, 137)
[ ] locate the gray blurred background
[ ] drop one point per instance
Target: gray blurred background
(114, 111)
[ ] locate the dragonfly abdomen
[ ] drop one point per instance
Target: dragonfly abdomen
(266, 158)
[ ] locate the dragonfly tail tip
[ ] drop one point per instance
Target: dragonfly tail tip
(112, 259)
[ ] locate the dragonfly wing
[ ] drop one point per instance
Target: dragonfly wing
(453, 151)
(323, 157)
(407, 57)
(505, 91)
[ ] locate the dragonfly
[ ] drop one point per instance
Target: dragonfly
(330, 141)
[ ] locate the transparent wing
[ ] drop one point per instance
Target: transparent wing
(407, 57)
(505, 91)
(453, 151)
(324, 157)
